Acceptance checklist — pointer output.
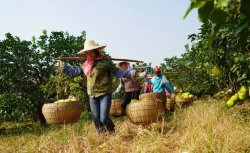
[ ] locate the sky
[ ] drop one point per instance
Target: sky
(148, 30)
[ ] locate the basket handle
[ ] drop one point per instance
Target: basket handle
(50, 89)
(47, 97)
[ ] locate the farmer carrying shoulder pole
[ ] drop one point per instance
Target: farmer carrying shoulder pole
(132, 88)
(99, 71)
(160, 82)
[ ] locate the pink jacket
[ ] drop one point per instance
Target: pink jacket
(130, 85)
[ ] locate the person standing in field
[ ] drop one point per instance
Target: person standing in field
(132, 88)
(160, 82)
(99, 70)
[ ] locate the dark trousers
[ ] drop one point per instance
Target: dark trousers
(100, 112)
(128, 96)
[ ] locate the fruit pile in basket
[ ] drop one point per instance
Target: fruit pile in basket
(62, 111)
(184, 99)
(66, 100)
(184, 95)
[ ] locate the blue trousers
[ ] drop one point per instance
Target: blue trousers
(100, 112)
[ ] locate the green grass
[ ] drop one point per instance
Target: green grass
(204, 127)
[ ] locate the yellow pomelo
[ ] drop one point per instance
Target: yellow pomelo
(134, 101)
(243, 89)
(230, 103)
(235, 97)
(191, 96)
(242, 96)
(216, 71)
(66, 100)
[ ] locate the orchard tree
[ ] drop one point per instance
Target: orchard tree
(26, 68)
(219, 56)
(218, 11)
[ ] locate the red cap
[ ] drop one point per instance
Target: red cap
(157, 69)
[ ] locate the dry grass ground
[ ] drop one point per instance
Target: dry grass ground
(204, 127)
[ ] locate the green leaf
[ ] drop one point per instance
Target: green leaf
(215, 28)
(245, 7)
(242, 32)
(243, 36)
(236, 59)
(194, 4)
(218, 16)
(222, 3)
(244, 23)
(205, 11)
(242, 77)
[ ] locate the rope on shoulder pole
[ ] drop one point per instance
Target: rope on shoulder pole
(83, 59)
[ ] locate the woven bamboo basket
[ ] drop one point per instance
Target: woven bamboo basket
(170, 104)
(155, 97)
(116, 107)
(60, 113)
(143, 112)
(184, 102)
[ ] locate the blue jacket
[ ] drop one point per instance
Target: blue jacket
(160, 84)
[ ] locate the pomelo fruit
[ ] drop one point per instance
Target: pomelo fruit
(134, 101)
(191, 96)
(185, 95)
(230, 103)
(216, 71)
(243, 89)
(242, 96)
(235, 97)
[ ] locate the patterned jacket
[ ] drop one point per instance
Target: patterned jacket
(100, 80)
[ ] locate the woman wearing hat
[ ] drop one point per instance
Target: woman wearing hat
(98, 70)
(132, 88)
(160, 82)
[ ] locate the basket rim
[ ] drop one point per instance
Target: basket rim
(77, 101)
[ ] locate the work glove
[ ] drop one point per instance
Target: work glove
(60, 65)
